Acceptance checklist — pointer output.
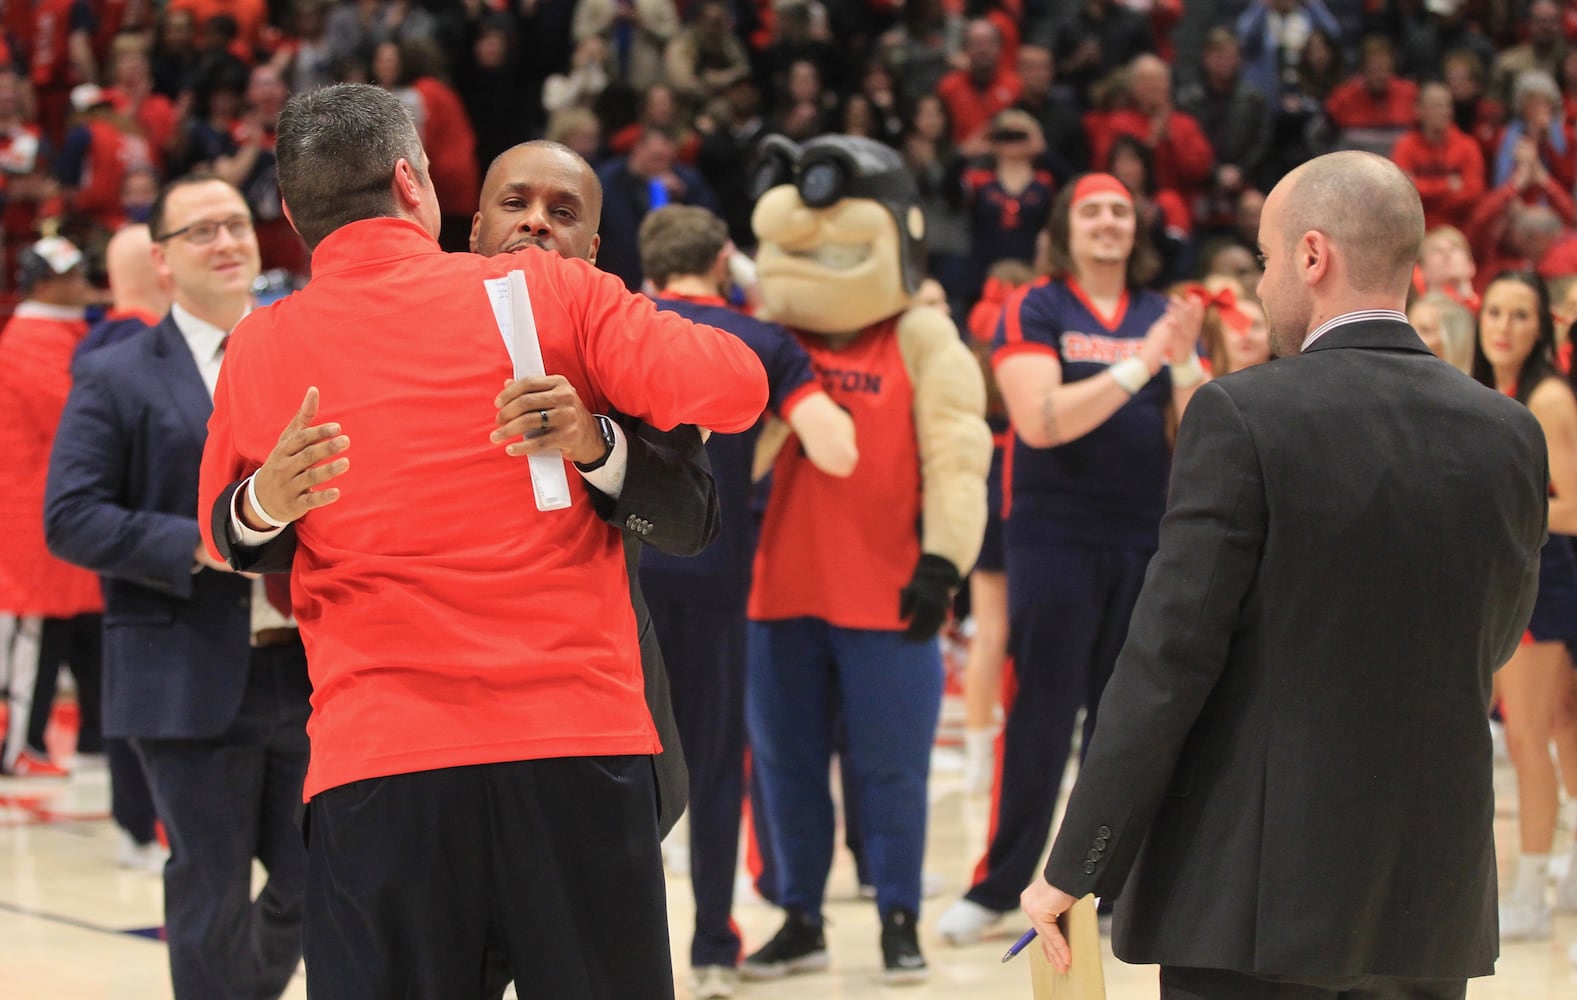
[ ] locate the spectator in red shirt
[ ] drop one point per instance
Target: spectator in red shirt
(1376, 99)
(1498, 242)
(974, 94)
(131, 91)
(1183, 157)
(1446, 166)
(446, 131)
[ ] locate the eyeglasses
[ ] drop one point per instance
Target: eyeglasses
(203, 233)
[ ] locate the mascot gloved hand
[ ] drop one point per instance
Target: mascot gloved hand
(841, 256)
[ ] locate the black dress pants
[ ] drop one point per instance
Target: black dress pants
(444, 884)
(224, 802)
(1178, 983)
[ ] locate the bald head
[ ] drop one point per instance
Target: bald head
(135, 284)
(1149, 83)
(1366, 207)
(541, 194)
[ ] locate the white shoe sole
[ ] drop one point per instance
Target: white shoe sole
(816, 961)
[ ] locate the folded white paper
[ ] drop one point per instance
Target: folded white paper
(518, 324)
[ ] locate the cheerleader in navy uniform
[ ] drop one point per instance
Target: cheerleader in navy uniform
(1091, 366)
(1516, 355)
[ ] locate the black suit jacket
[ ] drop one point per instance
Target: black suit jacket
(122, 501)
(669, 501)
(1295, 732)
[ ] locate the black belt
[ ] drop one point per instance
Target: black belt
(266, 638)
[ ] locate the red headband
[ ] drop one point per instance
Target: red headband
(1226, 301)
(1093, 184)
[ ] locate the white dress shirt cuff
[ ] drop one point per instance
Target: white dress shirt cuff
(610, 478)
(240, 534)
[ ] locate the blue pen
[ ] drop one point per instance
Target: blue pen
(1020, 944)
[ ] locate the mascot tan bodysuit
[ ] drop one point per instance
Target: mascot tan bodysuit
(854, 576)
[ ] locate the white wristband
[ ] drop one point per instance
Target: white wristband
(257, 508)
(1131, 374)
(1188, 374)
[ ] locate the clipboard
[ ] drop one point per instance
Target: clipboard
(1085, 979)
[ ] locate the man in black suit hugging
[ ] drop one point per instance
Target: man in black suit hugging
(1290, 780)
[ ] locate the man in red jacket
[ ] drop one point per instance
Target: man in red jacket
(974, 95)
(1444, 164)
(48, 608)
(479, 729)
(1183, 157)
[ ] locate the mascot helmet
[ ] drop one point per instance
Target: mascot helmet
(829, 168)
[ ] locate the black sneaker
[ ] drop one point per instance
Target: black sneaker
(800, 946)
(901, 950)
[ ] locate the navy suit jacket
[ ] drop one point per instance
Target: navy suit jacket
(121, 500)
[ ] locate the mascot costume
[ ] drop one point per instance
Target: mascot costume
(854, 576)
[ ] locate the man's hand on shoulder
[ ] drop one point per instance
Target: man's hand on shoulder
(291, 481)
(537, 414)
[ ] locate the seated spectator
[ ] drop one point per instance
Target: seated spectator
(977, 92)
(1225, 257)
(29, 192)
(174, 56)
(216, 105)
(1235, 119)
(248, 163)
(876, 86)
(1183, 158)
(1548, 241)
(1538, 126)
(705, 59)
(586, 80)
(1093, 39)
(635, 32)
(305, 60)
(1446, 166)
(660, 109)
(1542, 51)
(356, 27)
(1502, 233)
(1055, 110)
(580, 130)
(728, 148)
(921, 48)
(1443, 27)
(805, 108)
(646, 179)
(1445, 265)
(1447, 327)
(1473, 113)
(936, 165)
(131, 92)
(799, 32)
(250, 16)
(101, 146)
(447, 136)
(1273, 35)
(1372, 109)
(490, 83)
(1160, 209)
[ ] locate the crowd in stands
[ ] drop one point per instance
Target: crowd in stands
(994, 104)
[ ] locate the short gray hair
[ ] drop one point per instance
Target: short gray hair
(337, 148)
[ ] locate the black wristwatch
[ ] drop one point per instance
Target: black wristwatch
(606, 426)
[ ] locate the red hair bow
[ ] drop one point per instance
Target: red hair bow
(1225, 301)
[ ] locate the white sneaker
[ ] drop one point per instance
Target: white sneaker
(714, 982)
(1572, 955)
(1566, 892)
(149, 857)
(966, 922)
(1521, 921)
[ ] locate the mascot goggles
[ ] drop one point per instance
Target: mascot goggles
(824, 176)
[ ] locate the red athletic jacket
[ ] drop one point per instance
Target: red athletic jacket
(35, 377)
(1431, 169)
(448, 621)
